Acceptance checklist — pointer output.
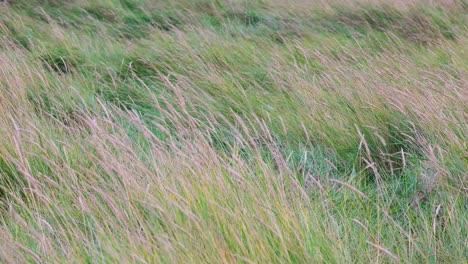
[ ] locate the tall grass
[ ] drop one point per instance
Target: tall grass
(233, 131)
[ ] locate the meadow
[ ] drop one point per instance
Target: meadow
(233, 131)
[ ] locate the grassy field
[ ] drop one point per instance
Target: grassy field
(233, 131)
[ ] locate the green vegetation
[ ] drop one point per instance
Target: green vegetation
(209, 131)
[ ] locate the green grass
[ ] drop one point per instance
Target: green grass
(233, 131)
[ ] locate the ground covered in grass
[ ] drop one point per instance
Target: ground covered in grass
(212, 131)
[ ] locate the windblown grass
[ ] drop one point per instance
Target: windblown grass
(233, 131)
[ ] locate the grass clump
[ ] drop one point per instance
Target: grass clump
(62, 59)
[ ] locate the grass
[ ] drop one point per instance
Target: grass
(233, 131)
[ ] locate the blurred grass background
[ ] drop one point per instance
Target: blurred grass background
(214, 131)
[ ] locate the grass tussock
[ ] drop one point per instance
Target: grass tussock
(233, 131)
